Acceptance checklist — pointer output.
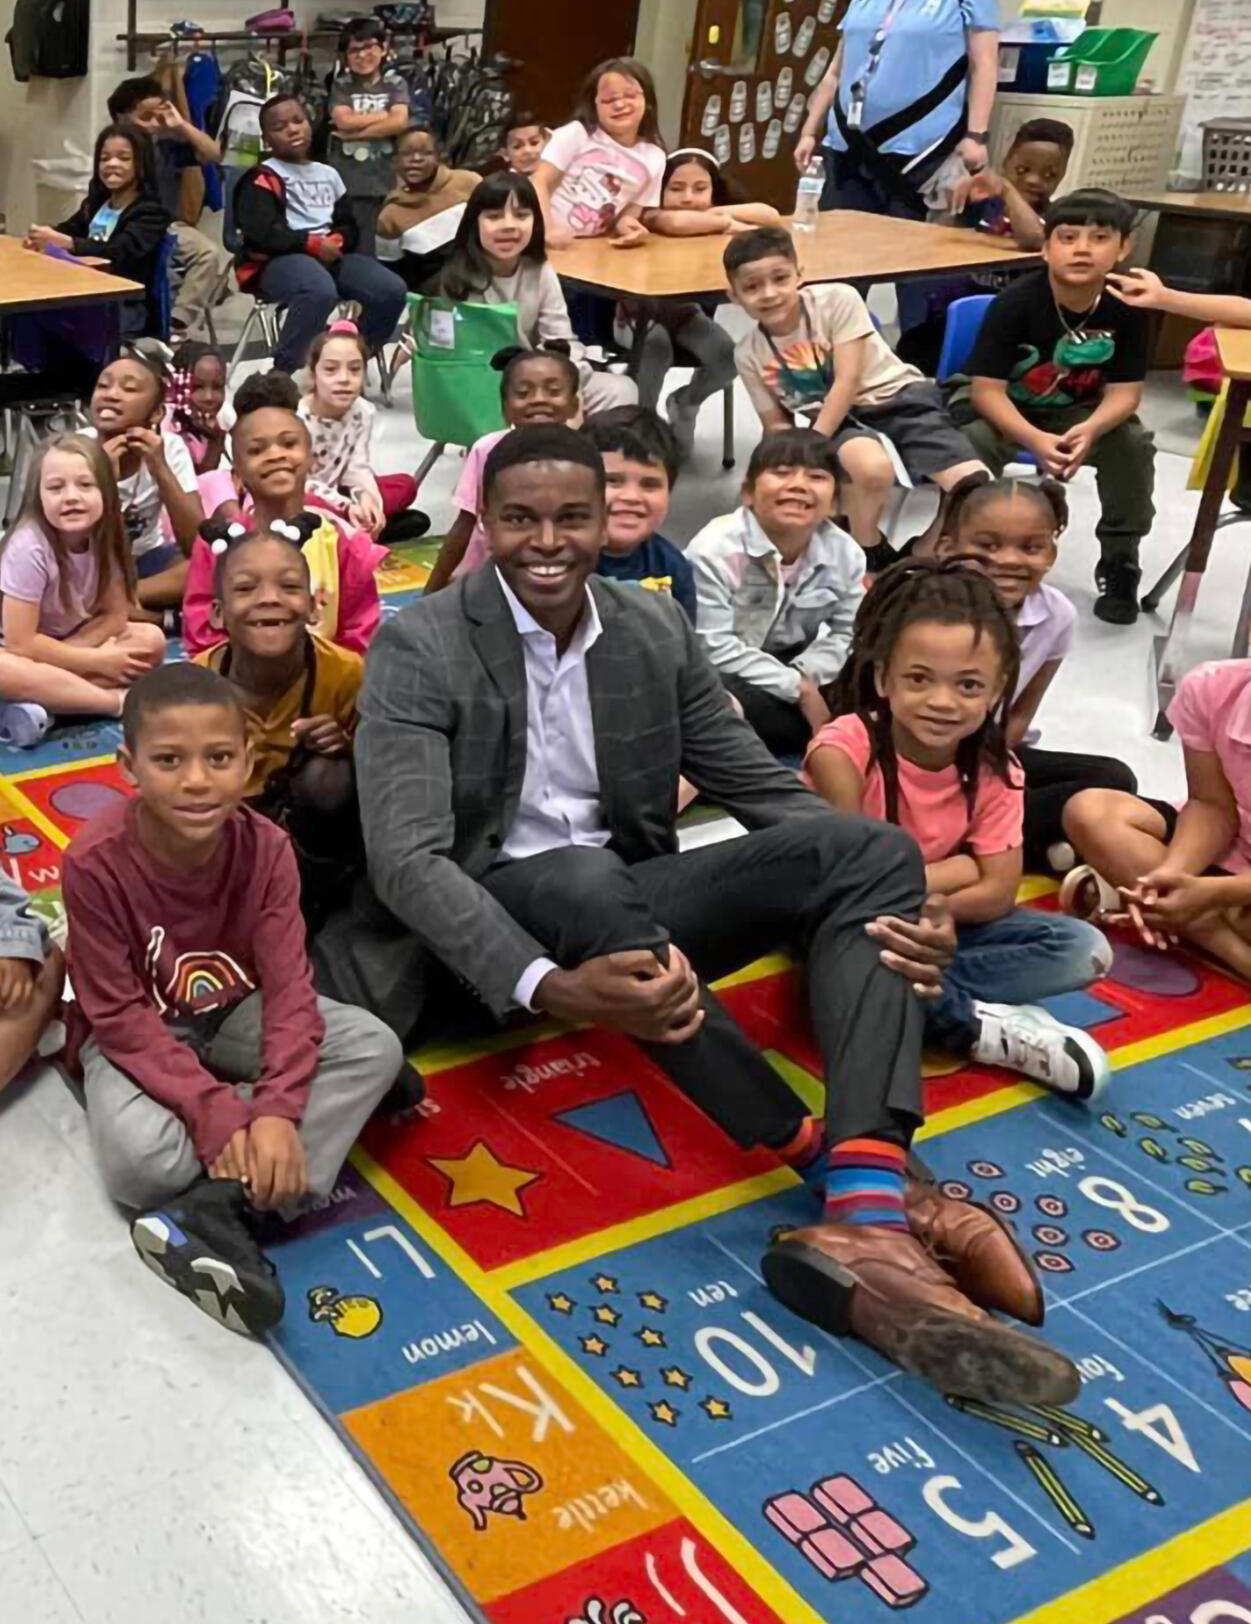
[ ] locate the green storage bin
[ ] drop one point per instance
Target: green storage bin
(456, 391)
(1101, 62)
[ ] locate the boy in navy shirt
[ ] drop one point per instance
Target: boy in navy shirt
(641, 463)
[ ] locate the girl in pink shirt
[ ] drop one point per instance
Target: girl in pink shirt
(923, 745)
(1009, 528)
(1179, 874)
(67, 577)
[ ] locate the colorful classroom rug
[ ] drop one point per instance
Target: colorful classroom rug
(534, 1312)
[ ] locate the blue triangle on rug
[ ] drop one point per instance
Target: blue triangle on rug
(622, 1121)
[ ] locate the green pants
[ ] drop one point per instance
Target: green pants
(1124, 465)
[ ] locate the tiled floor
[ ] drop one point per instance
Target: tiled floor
(156, 1470)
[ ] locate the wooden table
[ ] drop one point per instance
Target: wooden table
(1207, 205)
(846, 245)
(39, 281)
(1234, 348)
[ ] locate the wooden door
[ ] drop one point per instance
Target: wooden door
(557, 43)
(754, 65)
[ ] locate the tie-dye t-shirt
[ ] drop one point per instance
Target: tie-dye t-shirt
(600, 178)
(795, 370)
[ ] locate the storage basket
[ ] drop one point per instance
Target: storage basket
(1227, 155)
(1101, 62)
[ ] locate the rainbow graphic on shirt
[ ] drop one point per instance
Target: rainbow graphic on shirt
(195, 982)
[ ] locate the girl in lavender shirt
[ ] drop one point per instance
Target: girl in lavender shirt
(68, 584)
(1010, 529)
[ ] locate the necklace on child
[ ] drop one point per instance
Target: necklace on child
(1078, 332)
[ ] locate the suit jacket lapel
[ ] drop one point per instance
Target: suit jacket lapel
(494, 635)
(610, 676)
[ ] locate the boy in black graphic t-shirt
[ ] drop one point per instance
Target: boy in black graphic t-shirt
(1058, 369)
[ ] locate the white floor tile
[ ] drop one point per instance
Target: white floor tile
(13, 1531)
(253, 1530)
(30, 1593)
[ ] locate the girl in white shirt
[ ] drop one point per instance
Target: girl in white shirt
(340, 424)
(500, 257)
(602, 169)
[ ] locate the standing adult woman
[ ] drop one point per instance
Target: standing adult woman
(911, 82)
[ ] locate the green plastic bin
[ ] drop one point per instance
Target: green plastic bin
(1100, 62)
(456, 391)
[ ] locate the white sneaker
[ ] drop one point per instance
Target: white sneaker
(23, 724)
(1024, 1038)
(1085, 894)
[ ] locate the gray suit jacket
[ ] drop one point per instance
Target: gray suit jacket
(441, 756)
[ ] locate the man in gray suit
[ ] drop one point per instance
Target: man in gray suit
(521, 739)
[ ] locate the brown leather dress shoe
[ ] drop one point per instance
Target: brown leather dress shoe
(880, 1285)
(977, 1249)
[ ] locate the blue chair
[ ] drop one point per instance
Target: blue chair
(162, 295)
(964, 322)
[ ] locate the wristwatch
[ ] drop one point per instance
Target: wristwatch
(977, 135)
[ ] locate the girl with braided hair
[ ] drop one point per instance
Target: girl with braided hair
(923, 744)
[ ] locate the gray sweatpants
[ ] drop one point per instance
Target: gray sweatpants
(145, 1152)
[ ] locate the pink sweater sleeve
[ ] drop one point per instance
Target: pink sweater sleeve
(197, 600)
(360, 608)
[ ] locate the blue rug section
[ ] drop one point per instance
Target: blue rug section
(1080, 1009)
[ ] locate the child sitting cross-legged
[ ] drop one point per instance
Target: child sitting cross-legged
(815, 353)
(1179, 875)
(922, 745)
(272, 453)
(341, 423)
(298, 693)
(536, 386)
(641, 467)
(778, 585)
(68, 584)
(218, 1086)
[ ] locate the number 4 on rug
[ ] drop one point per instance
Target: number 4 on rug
(1158, 1423)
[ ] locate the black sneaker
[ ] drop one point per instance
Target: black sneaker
(202, 1246)
(411, 525)
(1117, 581)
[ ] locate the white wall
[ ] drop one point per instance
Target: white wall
(36, 118)
(666, 29)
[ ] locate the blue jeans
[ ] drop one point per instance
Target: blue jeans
(1025, 956)
(311, 290)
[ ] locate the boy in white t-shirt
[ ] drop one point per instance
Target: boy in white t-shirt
(816, 353)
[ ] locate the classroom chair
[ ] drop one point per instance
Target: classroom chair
(162, 293)
(963, 324)
(456, 391)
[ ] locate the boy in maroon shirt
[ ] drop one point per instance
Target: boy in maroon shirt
(218, 1084)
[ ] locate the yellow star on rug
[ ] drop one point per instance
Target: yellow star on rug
(673, 1377)
(594, 1345)
(605, 1283)
(559, 1303)
(481, 1176)
(654, 1301)
(606, 1315)
(627, 1377)
(651, 1338)
(664, 1412)
(716, 1409)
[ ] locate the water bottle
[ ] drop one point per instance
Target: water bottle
(808, 196)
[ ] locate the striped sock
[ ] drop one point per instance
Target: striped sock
(805, 1152)
(864, 1183)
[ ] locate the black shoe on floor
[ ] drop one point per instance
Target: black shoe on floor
(1117, 581)
(405, 1093)
(411, 525)
(202, 1246)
